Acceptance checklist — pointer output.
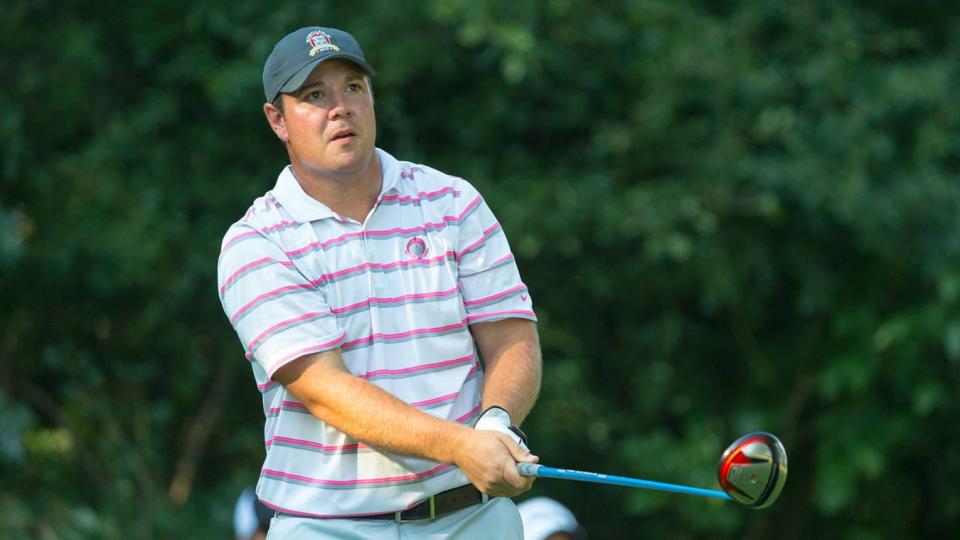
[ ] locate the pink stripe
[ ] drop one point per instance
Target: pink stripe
(267, 295)
(496, 296)
(470, 413)
(312, 444)
(359, 481)
(422, 195)
(414, 369)
(346, 271)
(417, 332)
(503, 259)
(289, 405)
(341, 310)
(249, 266)
(293, 405)
(424, 403)
(507, 313)
(413, 230)
(448, 189)
(470, 207)
(409, 173)
(242, 269)
(311, 245)
(256, 341)
(278, 226)
(236, 239)
(483, 238)
(266, 230)
(323, 346)
(325, 244)
(344, 237)
(427, 226)
(393, 300)
(308, 350)
(266, 385)
(398, 230)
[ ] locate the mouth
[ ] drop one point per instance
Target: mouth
(343, 135)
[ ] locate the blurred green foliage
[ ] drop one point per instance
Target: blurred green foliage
(733, 216)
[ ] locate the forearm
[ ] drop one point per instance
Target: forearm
(488, 459)
(373, 416)
(513, 366)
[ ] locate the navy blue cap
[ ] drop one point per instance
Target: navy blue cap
(295, 56)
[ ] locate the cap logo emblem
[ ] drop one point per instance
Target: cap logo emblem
(319, 42)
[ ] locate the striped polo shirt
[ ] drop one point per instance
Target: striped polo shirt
(396, 294)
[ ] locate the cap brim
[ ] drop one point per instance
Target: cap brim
(298, 78)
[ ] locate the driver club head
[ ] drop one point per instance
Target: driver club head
(753, 469)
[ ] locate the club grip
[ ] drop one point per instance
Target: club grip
(529, 469)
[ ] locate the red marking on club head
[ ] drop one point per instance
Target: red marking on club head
(753, 470)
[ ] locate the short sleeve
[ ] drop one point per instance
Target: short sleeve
(277, 312)
(489, 279)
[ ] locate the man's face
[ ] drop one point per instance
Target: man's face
(329, 122)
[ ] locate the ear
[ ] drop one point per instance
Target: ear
(276, 121)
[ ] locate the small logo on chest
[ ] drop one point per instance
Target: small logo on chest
(416, 248)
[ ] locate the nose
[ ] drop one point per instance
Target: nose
(340, 107)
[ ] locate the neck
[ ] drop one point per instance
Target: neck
(351, 194)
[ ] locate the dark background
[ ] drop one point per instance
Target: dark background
(732, 216)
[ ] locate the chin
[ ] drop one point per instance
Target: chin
(352, 161)
(339, 168)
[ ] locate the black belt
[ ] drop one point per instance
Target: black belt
(435, 506)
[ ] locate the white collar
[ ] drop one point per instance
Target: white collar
(304, 208)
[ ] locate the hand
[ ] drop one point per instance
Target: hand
(498, 419)
(489, 459)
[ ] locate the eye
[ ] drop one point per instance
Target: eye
(354, 87)
(315, 95)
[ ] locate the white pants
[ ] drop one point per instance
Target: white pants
(497, 519)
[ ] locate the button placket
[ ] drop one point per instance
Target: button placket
(376, 277)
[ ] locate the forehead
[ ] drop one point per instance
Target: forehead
(334, 70)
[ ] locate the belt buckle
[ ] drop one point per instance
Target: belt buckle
(398, 516)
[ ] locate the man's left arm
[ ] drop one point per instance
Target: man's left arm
(510, 349)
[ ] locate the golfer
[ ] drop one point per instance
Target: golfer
(381, 309)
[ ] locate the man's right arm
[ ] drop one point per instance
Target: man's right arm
(369, 414)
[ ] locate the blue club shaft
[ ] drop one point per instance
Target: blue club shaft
(541, 471)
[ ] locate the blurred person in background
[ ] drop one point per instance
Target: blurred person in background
(251, 519)
(546, 519)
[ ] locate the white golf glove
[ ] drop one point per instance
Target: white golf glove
(498, 419)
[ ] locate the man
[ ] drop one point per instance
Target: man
(363, 288)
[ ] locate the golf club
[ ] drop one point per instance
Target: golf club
(752, 471)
